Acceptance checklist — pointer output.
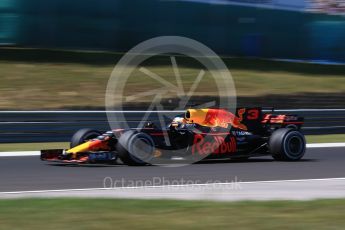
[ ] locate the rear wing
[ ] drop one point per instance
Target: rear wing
(256, 119)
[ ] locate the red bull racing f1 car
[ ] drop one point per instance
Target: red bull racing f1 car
(199, 134)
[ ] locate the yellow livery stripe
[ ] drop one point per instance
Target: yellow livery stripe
(80, 148)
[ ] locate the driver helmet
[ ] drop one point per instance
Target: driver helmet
(178, 122)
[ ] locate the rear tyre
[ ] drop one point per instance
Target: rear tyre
(83, 135)
(287, 145)
(135, 148)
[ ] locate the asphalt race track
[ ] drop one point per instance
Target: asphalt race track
(30, 174)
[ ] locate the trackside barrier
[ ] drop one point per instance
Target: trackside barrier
(51, 126)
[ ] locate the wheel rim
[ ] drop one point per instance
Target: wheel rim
(142, 149)
(295, 146)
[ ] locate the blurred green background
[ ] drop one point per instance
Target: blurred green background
(59, 54)
(120, 24)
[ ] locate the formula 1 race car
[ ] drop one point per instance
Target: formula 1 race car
(200, 134)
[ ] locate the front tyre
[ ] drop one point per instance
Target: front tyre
(83, 135)
(287, 145)
(135, 148)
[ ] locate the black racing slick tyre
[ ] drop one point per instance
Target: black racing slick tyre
(287, 145)
(135, 148)
(83, 135)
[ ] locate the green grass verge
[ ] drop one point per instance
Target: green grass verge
(65, 145)
(32, 146)
(75, 214)
(49, 79)
(325, 138)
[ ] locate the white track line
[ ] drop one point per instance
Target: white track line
(37, 153)
(20, 154)
(159, 111)
(93, 111)
(302, 189)
(176, 185)
(326, 145)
